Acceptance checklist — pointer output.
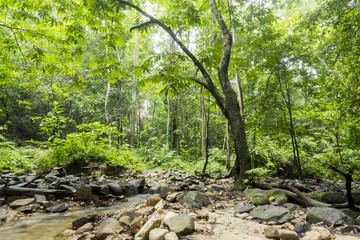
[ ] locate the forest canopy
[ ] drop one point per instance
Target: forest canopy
(255, 88)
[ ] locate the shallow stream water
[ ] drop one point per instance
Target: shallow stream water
(46, 227)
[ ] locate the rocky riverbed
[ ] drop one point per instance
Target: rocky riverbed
(181, 206)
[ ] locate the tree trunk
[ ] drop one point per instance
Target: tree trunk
(133, 95)
(202, 125)
(227, 136)
(168, 122)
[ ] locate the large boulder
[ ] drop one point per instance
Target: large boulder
(195, 199)
(272, 213)
(181, 224)
(261, 197)
(329, 216)
(139, 184)
(82, 221)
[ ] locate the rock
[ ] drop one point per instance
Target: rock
(128, 189)
(300, 225)
(256, 196)
(125, 220)
(61, 181)
(130, 214)
(21, 202)
(83, 193)
(137, 223)
(82, 221)
(195, 199)
(84, 228)
(171, 236)
(164, 191)
(271, 232)
(153, 222)
(158, 234)
(272, 213)
(57, 208)
(261, 197)
(95, 188)
(115, 188)
(3, 214)
(27, 209)
(241, 208)
(291, 206)
(181, 224)
(106, 228)
(146, 211)
(328, 215)
(139, 184)
(105, 190)
(215, 187)
(160, 205)
(40, 198)
(324, 233)
(312, 235)
(169, 215)
(288, 235)
(172, 197)
(153, 200)
(284, 234)
(349, 228)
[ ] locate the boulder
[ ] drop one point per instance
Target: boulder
(82, 221)
(106, 228)
(164, 191)
(40, 198)
(57, 208)
(257, 196)
(153, 222)
(324, 232)
(172, 197)
(139, 184)
(242, 208)
(284, 234)
(137, 223)
(195, 199)
(128, 189)
(171, 236)
(83, 193)
(160, 205)
(261, 197)
(125, 220)
(328, 215)
(21, 202)
(312, 235)
(115, 188)
(153, 200)
(158, 234)
(95, 188)
(181, 224)
(272, 213)
(84, 228)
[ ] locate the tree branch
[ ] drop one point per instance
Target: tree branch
(25, 30)
(211, 87)
(142, 25)
(17, 42)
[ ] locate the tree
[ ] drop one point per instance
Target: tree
(227, 102)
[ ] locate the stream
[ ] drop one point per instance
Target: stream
(46, 227)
